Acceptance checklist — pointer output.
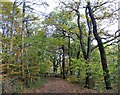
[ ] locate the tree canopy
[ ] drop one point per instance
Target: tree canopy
(74, 41)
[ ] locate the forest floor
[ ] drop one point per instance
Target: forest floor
(58, 85)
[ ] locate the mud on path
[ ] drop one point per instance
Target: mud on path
(58, 85)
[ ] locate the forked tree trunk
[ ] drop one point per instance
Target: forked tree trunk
(88, 74)
(101, 49)
(87, 83)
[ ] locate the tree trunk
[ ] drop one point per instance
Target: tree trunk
(101, 49)
(60, 64)
(78, 54)
(87, 83)
(83, 48)
(23, 34)
(54, 67)
(81, 36)
(63, 62)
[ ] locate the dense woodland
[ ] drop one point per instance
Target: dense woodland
(73, 42)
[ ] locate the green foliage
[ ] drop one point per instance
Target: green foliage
(79, 70)
(94, 67)
(32, 56)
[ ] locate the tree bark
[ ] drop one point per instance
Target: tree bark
(78, 54)
(88, 74)
(54, 66)
(87, 81)
(101, 49)
(81, 36)
(63, 62)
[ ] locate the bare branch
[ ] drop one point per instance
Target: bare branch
(107, 41)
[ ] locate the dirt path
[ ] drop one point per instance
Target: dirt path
(58, 85)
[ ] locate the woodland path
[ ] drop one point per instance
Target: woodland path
(58, 85)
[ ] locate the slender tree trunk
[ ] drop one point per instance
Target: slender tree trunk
(63, 62)
(26, 25)
(83, 48)
(63, 57)
(87, 83)
(81, 36)
(54, 66)
(60, 64)
(78, 53)
(101, 49)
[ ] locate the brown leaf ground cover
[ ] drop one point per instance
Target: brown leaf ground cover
(58, 85)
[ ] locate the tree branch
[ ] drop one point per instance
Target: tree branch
(107, 41)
